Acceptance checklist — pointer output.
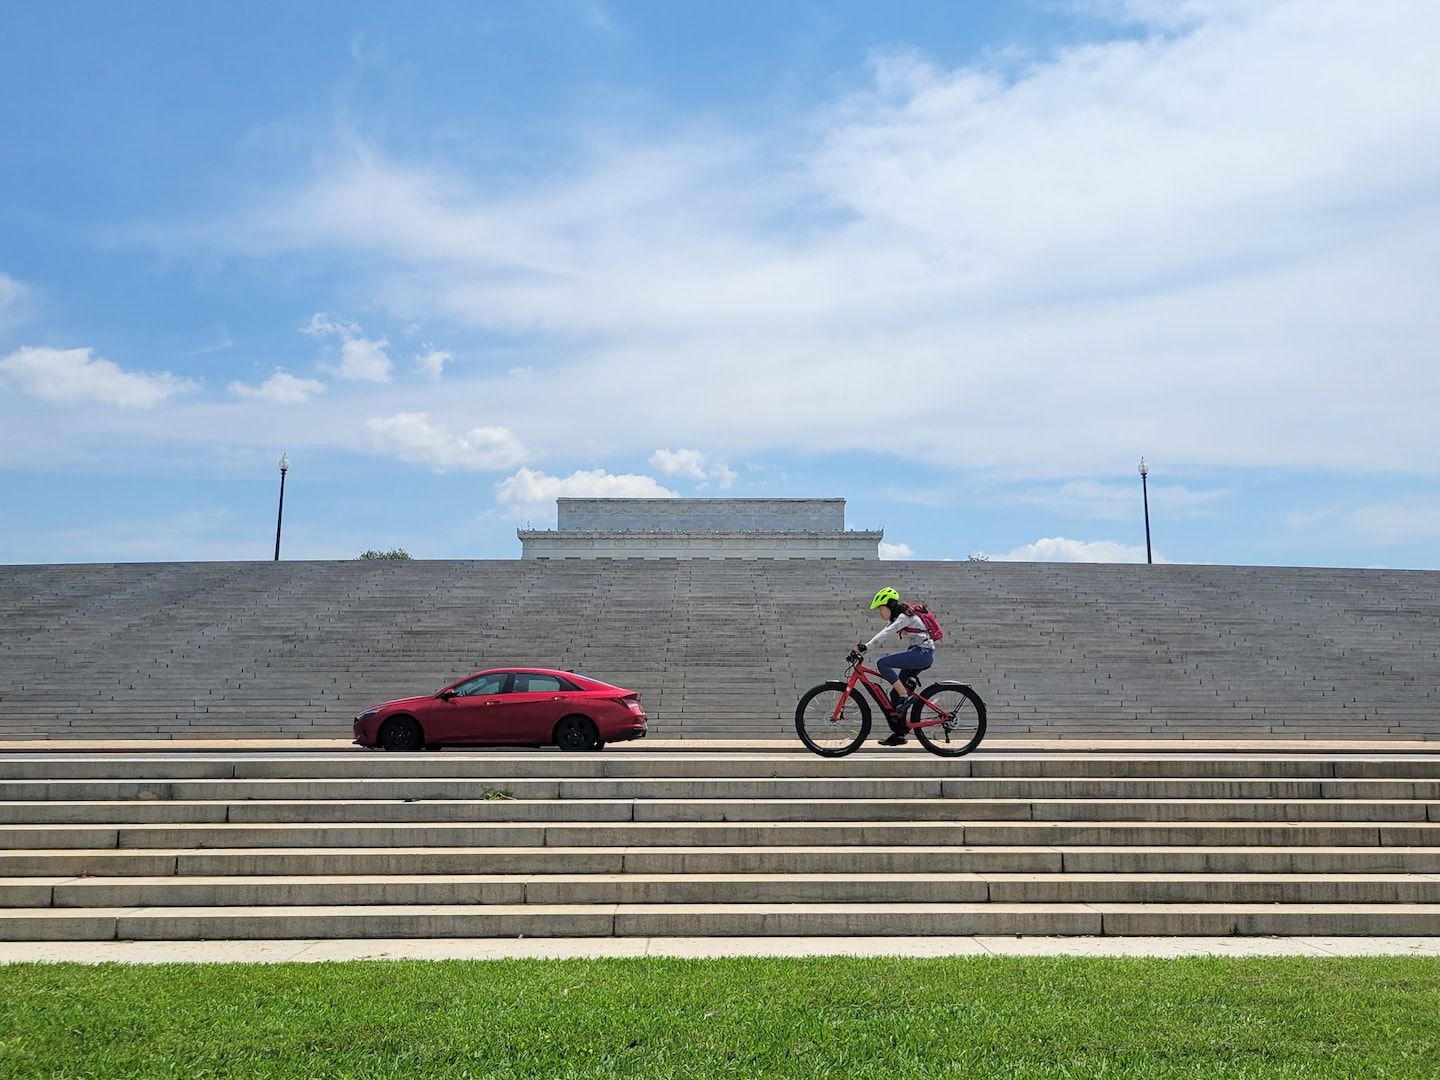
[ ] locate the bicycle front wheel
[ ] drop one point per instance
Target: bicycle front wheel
(832, 720)
(951, 719)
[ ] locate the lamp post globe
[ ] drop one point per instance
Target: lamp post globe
(280, 514)
(1145, 494)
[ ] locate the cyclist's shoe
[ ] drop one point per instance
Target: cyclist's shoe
(904, 705)
(894, 739)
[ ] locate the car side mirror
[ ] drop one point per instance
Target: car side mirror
(445, 695)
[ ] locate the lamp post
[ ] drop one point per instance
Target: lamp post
(280, 515)
(1144, 494)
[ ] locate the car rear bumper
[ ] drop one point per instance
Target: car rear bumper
(629, 734)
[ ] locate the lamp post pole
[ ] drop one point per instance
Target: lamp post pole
(1145, 494)
(280, 514)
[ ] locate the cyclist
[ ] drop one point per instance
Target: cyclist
(918, 656)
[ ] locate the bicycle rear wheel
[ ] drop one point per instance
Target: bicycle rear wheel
(832, 720)
(963, 725)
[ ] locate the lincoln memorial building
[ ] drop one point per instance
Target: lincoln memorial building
(700, 529)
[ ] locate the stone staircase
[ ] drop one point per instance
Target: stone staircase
(356, 845)
(718, 649)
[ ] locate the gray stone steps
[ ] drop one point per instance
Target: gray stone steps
(894, 889)
(416, 810)
(688, 920)
(910, 763)
(1034, 789)
(193, 649)
(706, 833)
(111, 862)
(274, 844)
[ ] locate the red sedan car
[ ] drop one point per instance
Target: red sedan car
(509, 707)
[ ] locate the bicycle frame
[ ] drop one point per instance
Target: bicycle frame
(860, 674)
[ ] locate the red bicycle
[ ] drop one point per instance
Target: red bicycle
(833, 719)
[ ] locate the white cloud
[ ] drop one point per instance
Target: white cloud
(322, 325)
(1129, 244)
(1401, 521)
(1061, 549)
(13, 294)
(531, 494)
(432, 362)
(1122, 502)
(362, 359)
(223, 343)
(693, 465)
(214, 534)
(190, 534)
(365, 360)
(281, 388)
(599, 18)
(415, 438)
(71, 377)
(896, 551)
(1306, 519)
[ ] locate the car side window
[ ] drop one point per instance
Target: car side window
(538, 684)
(481, 686)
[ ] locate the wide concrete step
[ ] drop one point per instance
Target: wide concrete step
(706, 833)
(778, 859)
(771, 788)
(498, 844)
(714, 920)
(506, 809)
(910, 763)
(337, 890)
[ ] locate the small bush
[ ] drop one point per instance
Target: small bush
(394, 553)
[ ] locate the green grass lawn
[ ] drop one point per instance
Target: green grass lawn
(828, 1017)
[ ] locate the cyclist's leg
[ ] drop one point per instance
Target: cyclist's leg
(916, 660)
(897, 665)
(920, 659)
(891, 669)
(891, 666)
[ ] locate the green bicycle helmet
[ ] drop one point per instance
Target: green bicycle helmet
(884, 596)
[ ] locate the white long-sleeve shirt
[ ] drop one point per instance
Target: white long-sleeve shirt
(911, 630)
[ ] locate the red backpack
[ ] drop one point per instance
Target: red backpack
(932, 625)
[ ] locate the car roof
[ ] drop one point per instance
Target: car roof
(572, 676)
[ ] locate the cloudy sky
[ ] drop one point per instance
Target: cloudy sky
(961, 263)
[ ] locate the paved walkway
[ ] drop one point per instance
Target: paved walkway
(768, 746)
(311, 951)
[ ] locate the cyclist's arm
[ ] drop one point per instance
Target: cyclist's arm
(886, 631)
(904, 622)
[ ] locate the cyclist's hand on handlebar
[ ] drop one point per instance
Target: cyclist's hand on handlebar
(861, 648)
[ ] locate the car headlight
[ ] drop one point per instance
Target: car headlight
(366, 714)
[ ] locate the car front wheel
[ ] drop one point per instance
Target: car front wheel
(402, 733)
(576, 733)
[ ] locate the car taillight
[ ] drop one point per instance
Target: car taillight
(632, 703)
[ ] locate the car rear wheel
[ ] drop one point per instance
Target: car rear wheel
(402, 733)
(577, 733)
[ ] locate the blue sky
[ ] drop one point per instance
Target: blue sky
(959, 263)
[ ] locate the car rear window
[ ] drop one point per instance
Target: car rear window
(528, 683)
